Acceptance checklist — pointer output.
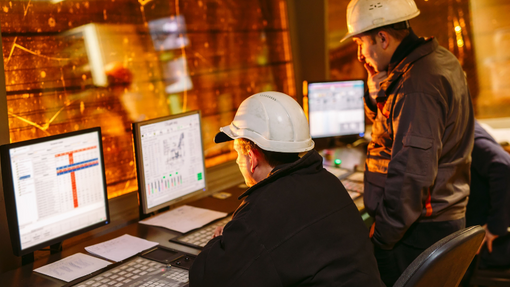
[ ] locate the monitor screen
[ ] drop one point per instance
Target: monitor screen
(55, 188)
(336, 108)
(169, 159)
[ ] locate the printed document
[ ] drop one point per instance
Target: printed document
(73, 267)
(121, 247)
(184, 218)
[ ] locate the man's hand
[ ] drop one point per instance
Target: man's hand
(218, 231)
(374, 81)
(489, 237)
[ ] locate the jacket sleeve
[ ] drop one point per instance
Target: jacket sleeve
(418, 125)
(493, 163)
(225, 258)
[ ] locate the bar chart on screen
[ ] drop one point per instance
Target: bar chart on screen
(60, 181)
(172, 155)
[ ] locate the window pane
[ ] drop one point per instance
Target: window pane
(71, 65)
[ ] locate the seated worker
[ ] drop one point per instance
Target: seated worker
(297, 225)
(489, 200)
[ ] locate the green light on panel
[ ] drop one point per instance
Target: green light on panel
(338, 161)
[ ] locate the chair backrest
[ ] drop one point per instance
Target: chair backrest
(444, 263)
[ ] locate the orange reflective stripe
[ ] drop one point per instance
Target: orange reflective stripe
(428, 206)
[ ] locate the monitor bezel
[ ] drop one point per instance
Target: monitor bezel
(348, 137)
(10, 200)
(144, 210)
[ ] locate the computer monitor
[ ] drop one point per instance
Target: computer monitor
(169, 160)
(336, 109)
(54, 188)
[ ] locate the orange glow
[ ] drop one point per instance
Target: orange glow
(286, 45)
(220, 159)
(57, 81)
(305, 106)
(305, 98)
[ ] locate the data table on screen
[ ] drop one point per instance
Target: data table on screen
(58, 186)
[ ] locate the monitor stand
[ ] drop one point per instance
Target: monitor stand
(29, 258)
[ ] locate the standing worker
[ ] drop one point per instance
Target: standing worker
(417, 169)
(489, 199)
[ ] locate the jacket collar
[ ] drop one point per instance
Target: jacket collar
(312, 160)
(406, 46)
(424, 47)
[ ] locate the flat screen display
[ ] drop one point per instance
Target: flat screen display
(55, 188)
(336, 108)
(170, 159)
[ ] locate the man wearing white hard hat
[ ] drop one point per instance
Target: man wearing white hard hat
(296, 225)
(418, 161)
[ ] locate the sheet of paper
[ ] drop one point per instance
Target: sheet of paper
(121, 247)
(73, 267)
(184, 218)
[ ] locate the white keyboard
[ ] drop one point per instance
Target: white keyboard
(336, 171)
(201, 236)
(140, 272)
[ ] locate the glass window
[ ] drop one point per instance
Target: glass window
(71, 65)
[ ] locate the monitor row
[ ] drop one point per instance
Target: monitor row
(55, 187)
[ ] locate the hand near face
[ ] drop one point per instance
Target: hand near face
(374, 80)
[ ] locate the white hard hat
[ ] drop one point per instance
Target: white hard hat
(365, 15)
(272, 120)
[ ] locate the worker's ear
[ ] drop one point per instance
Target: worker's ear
(384, 39)
(254, 155)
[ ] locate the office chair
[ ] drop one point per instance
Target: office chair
(444, 263)
(494, 277)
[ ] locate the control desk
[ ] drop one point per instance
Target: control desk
(352, 160)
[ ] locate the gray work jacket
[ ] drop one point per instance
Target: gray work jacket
(418, 161)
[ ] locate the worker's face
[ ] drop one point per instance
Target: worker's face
(244, 163)
(371, 53)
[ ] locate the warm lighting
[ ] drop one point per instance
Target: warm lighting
(305, 98)
(460, 43)
(61, 80)
(457, 29)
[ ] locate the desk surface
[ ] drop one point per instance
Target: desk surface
(24, 276)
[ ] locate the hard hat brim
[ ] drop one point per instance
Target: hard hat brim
(222, 137)
(227, 134)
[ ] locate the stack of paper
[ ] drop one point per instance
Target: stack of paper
(184, 218)
(121, 247)
(73, 267)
